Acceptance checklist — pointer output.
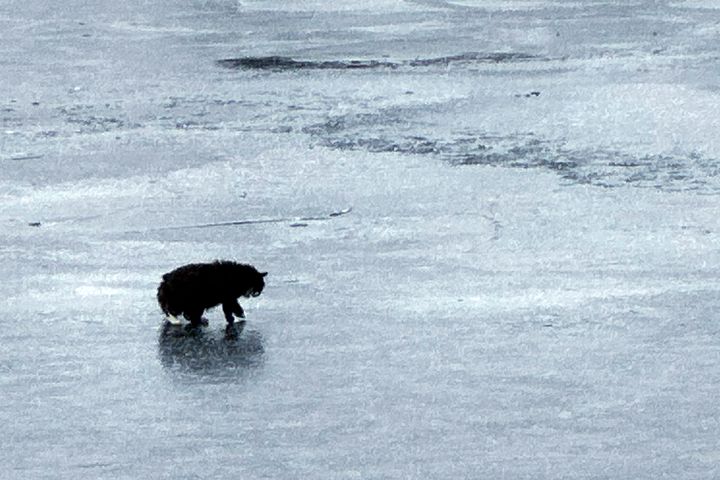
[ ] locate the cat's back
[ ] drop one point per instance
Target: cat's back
(190, 273)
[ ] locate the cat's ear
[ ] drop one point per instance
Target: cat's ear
(264, 274)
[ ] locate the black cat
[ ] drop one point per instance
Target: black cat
(191, 289)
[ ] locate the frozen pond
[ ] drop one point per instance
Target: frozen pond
(523, 285)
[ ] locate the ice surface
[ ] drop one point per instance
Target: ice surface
(526, 285)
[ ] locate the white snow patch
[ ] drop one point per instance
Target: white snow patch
(95, 290)
(702, 4)
(514, 5)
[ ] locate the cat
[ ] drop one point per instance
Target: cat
(191, 289)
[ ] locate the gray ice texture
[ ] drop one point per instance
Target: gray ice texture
(491, 228)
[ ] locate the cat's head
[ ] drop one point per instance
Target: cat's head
(256, 285)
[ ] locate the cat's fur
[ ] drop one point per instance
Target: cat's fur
(191, 289)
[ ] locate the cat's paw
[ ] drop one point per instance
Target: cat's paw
(233, 330)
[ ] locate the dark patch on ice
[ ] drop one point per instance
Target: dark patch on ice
(528, 95)
(397, 131)
(279, 63)
(491, 57)
(207, 353)
(193, 125)
(287, 63)
(97, 123)
(94, 118)
(26, 157)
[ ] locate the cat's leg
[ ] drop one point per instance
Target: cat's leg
(194, 315)
(228, 311)
(238, 310)
(233, 330)
(231, 309)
